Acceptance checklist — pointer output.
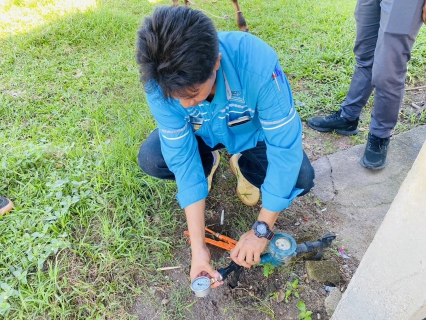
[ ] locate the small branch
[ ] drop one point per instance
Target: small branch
(169, 268)
(416, 106)
(420, 110)
(415, 88)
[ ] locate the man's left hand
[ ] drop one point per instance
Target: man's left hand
(248, 249)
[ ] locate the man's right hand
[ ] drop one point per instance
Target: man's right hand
(200, 266)
(200, 263)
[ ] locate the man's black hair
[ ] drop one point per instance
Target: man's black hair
(178, 48)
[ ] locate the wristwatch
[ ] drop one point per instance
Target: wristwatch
(262, 230)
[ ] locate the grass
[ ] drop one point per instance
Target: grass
(89, 229)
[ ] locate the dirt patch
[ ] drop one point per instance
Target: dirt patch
(258, 296)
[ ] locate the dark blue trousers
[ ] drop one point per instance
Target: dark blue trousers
(386, 31)
(253, 162)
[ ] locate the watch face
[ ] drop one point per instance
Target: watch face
(261, 228)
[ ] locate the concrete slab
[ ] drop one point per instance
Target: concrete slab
(390, 281)
(357, 198)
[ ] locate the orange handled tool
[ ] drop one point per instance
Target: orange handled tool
(224, 242)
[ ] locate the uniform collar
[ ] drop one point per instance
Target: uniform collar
(227, 81)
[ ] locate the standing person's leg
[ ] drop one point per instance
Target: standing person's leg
(367, 16)
(253, 164)
(396, 39)
(151, 160)
(345, 121)
(400, 24)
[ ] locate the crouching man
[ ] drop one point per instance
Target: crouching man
(209, 90)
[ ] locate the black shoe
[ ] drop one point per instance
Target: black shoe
(375, 153)
(334, 122)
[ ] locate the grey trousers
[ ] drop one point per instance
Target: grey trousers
(386, 31)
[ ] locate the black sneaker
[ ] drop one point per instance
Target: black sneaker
(375, 153)
(334, 122)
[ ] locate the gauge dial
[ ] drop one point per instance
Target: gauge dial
(201, 286)
(283, 244)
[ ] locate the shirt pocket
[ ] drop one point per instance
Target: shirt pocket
(248, 127)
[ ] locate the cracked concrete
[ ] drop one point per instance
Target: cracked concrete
(390, 280)
(358, 198)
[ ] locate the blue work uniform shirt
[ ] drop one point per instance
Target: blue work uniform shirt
(249, 82)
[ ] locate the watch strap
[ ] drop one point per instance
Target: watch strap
(269, 235)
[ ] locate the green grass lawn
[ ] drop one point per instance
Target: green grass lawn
(88, 226)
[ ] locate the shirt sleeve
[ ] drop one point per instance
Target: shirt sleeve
(180, 149)
(283, 136)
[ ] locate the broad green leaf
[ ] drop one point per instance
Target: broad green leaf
(301, 306)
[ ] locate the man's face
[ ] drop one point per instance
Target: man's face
(203, 90)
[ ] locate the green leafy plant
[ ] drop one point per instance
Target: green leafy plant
(292, 289)
(268, 269)
(306, 315)
(274, 295)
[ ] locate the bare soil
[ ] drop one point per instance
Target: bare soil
(257, 296)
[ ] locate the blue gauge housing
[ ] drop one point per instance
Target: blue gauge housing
(282, 248)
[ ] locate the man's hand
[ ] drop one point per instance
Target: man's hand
(424, 13)
(248, 249)
(200, 266)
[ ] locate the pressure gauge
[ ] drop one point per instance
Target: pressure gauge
(201, 286)
(283, 244)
